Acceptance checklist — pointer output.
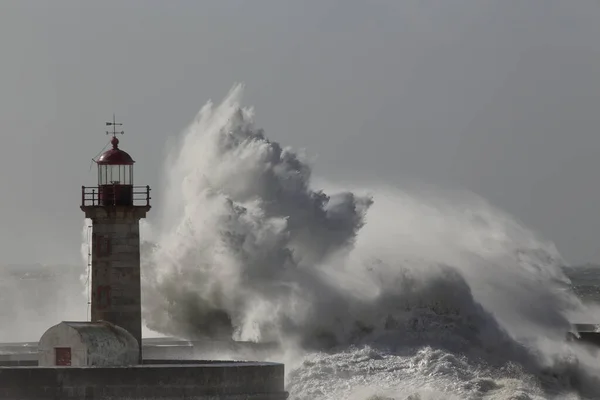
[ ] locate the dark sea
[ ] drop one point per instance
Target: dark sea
(585, 282)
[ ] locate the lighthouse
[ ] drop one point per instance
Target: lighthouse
(115, 207)
(102, 358)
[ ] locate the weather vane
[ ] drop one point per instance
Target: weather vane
(114, 124)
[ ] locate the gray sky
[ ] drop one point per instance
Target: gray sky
(497, 96)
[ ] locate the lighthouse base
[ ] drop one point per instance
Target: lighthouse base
(115, 266)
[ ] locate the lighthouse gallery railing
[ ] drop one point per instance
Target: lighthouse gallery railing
(111, 195)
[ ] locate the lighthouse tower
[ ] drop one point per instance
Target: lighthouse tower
(115, 207)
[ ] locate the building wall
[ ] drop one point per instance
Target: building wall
(108, 345)
(116, 291)
(61, 335)
(217, 380)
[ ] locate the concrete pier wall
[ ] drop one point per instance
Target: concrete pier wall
(166, 348)
(210, 380)
(589, 334)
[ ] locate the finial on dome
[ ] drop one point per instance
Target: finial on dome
(114, 156)
(114, 141)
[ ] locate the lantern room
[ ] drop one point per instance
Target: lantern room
(115, 180)
(115, 166)
(115, 176)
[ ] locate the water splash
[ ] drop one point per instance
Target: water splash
(414, 293)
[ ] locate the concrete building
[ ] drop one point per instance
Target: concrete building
(99, 344)
(115, 207)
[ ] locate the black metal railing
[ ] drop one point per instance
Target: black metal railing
(115, 195)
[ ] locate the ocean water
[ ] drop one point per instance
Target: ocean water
(585, 280)
(374, 292)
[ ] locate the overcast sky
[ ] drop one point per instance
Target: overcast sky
(499, 97)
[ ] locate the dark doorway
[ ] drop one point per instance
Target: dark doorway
(63, 356)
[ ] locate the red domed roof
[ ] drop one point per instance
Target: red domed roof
(115, 156)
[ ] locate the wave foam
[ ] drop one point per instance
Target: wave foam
(414, 293)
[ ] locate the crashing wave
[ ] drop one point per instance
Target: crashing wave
(413, 291)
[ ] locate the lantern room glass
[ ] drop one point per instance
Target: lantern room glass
(115, 174)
